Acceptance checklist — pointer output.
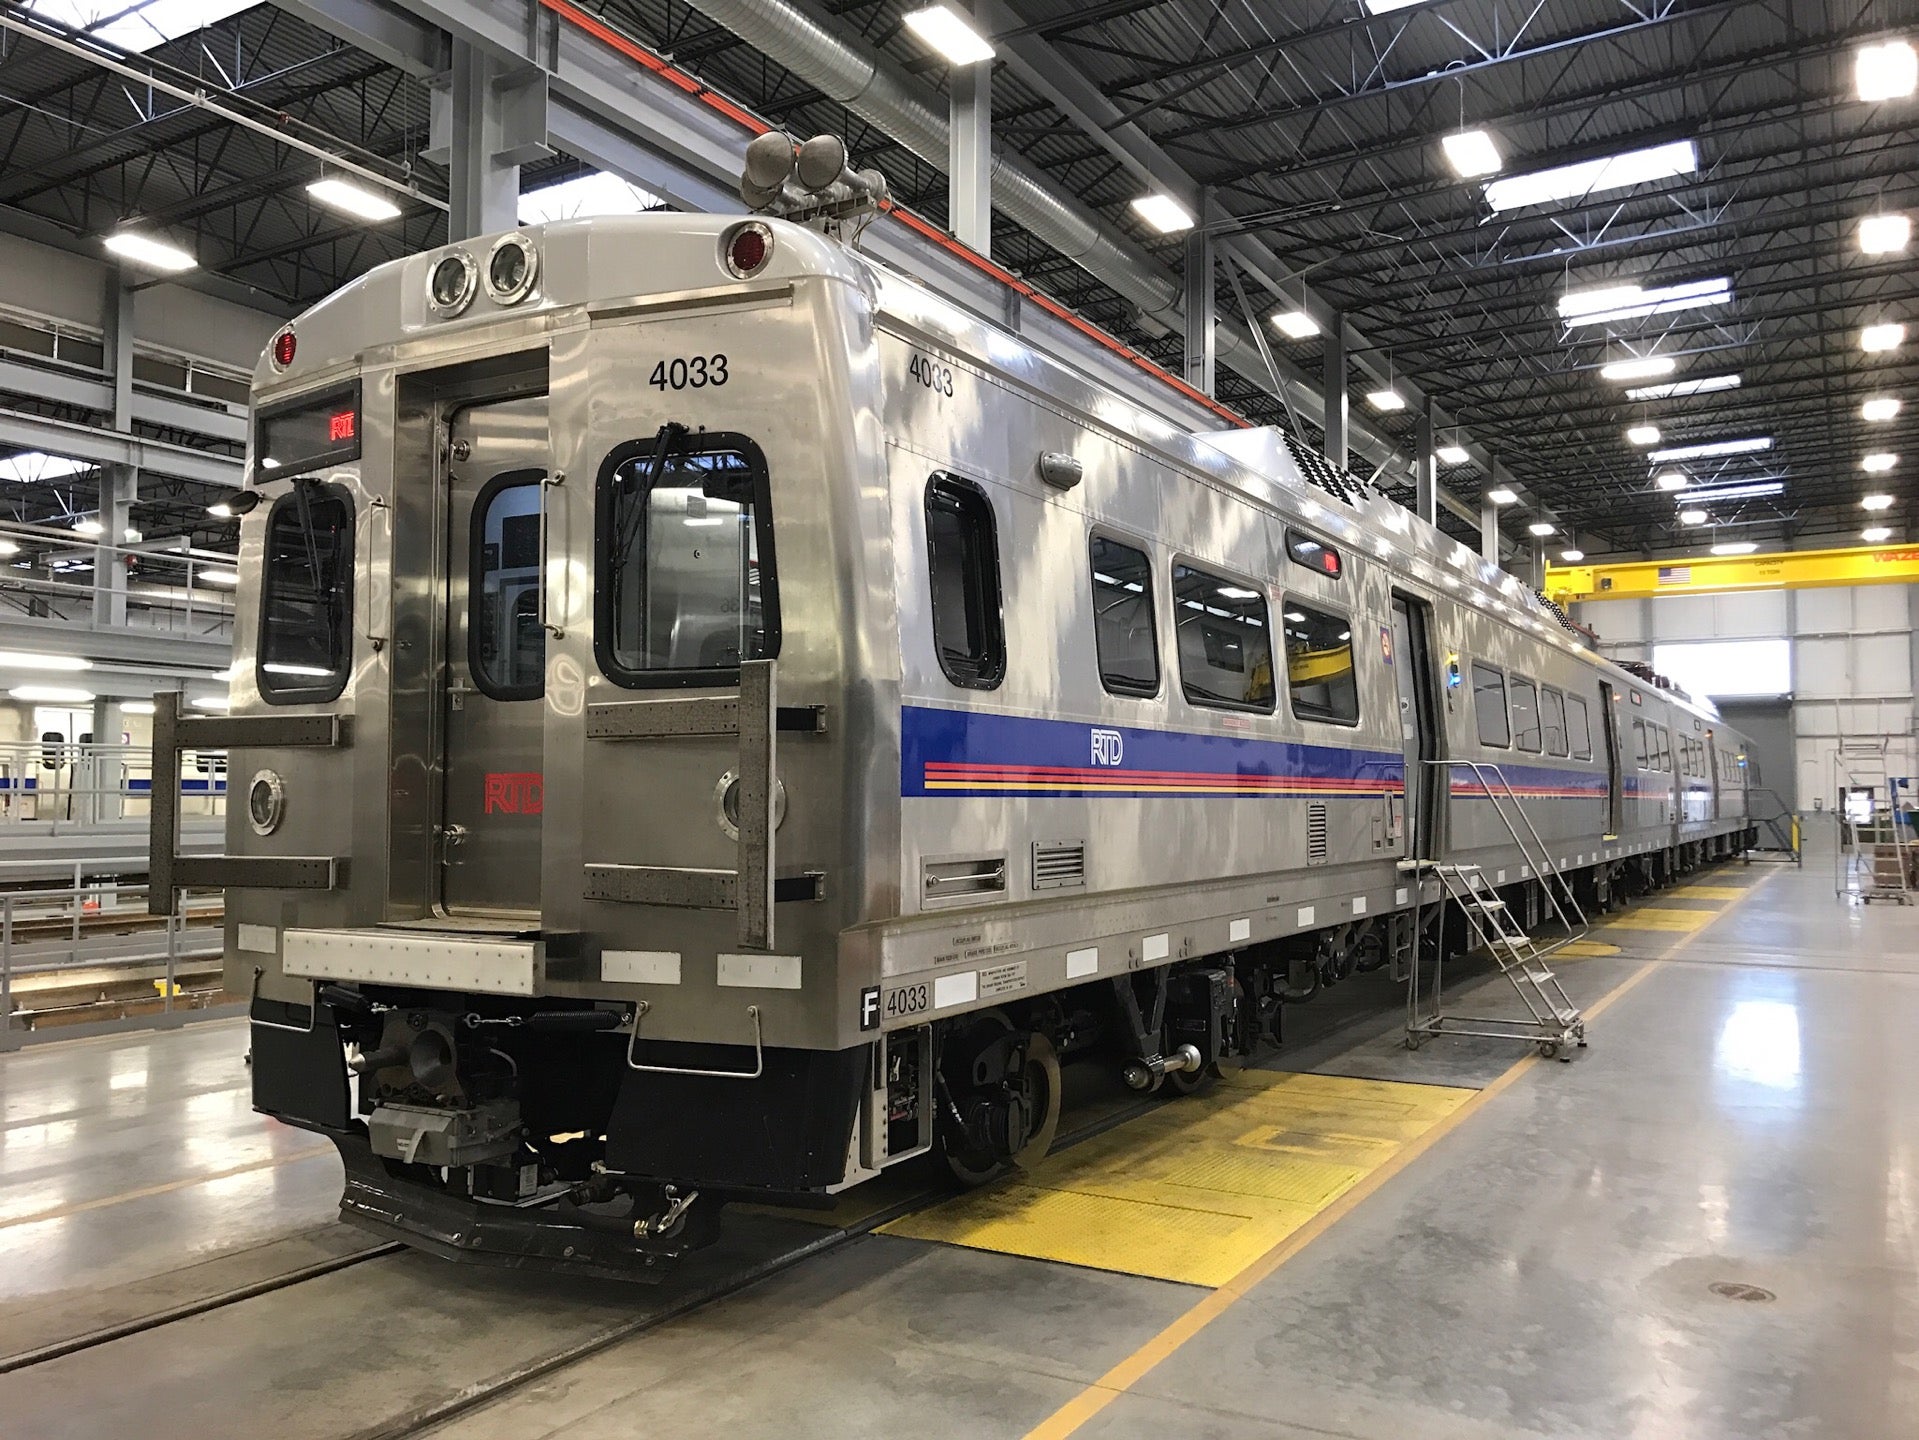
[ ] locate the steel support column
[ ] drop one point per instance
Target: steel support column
(970, 170)
(1489, 530)
(487, 121)
(119, 484)
(1333, 391)
(1201, 314)
(1425, 468)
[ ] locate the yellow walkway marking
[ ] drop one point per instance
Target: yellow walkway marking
(1199, 1189)
(1582, 949)
(1659, 917)
(1710, 892)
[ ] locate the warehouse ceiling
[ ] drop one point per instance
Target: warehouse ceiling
(1318, 126)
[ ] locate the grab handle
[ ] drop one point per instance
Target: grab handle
(547, 482)
(759, 1052)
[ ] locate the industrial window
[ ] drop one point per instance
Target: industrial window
(1642, 753)
(1225, 646)
(1315, 555)
(506, 648)
(1489, 705)
(306, 602)
(687, 587)
(962, 565)
(1552, 715)
(1579, 728)
(1123, 630)
(1319, 665)
(1525, 715)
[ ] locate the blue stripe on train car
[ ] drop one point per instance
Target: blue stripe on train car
(975, 752)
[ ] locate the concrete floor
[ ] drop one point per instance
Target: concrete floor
(1747, 1113)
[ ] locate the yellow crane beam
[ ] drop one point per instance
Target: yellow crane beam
(1728, 574)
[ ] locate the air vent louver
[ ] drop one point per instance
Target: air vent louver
(1316, 832)
(1059, 864)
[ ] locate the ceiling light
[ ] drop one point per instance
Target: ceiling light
(1386, 400)
(947, 31)
(132, 536)
(1713, 450)
(1575, 182)
(1874, 534)
(1889, 335)
(1879, 409)
(1703, 385)
(220, 577)
(1876, 502)
(1735, 547)
(1886, 71)
(1643, 435)
(1879, 463)
(1640, 369)
(1692, 517)
(89, 527)
(210, 702)
(1386, 7)
(1452, 455)
(1226, 592)
(32, 660)
(1630, 302)
(1572, 557)
(9, 547)
(1296, 324)
(1542, 527)
(153, 254)
(1671, 480)
(52, 694)
(1884, 234)
(136, 707)
(1752, 490)
(30, 466)
(354, 200)
(1163, 213)
(1502, 496)
(1471, 153)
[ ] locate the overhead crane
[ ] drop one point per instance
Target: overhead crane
(1728, 574)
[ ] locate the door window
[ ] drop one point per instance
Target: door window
(1489, 706)
(506, 647)
(1640, 752)
(1123, 632)
(687, 583)
(306, 598)
(962, 565)
(1525, 715)
(1225, 646)
(1579, 728)
(1319, 665)
(1552, 714)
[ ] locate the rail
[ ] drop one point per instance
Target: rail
(72, 784)
(55, 574)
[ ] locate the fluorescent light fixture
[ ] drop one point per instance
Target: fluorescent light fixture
(1296, 617)
(1735, 547)
(1386, 400)
(1884, 234)
(151, 254)
(1672, 389)
(1643, 435)
(88, 527)
(354, 200)
(1163, 213)
(1875, 534)
(9, 547)
(1471, 153)
(1712, 450)
(595, 193)
(1572, 557)
(1672, 480)
(1452, 455)
(1886, 71)
(139, 25)
(1879, 463)
(1692, 517)
(1889, 335)
(136, 707)
(1502, 496)
(1295, 324)
(31, 466)
(1589, 177)
(52, 694)
(1751, 490)
(1640, 369)
(1630, 302)
(280, 667)
(1879, 409)
(132, 536)
(210, 702)
(1386, 7)
(1237, 592)
(1876, 502)
(220, 577)
(1542, 527)
(32, 660)
(950, 33)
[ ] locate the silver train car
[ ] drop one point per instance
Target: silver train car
(715, 721)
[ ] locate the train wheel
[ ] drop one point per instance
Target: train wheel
(1187, 1082)
(1003, 1086)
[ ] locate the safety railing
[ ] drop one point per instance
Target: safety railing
(76, 785)
(57, 574)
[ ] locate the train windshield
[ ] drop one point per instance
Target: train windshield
(686, 577)
(306, 595)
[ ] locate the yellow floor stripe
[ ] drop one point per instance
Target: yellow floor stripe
(1583, 949)
(1710, 892)
(1658, 917)
(1199, 1189)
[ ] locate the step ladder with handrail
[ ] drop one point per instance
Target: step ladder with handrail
(1552, 1021)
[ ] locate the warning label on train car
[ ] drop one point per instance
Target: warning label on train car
(999, 979)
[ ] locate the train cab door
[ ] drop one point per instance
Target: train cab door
(1609, 735)
(1418, 722)
(495, 717)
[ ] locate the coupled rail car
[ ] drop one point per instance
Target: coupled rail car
(716, 721)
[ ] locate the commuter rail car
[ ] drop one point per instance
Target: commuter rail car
(716, 720)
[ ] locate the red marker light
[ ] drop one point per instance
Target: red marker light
(342, 425)
(750, 247)
(284, 346)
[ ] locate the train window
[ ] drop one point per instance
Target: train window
(505, 646)
(1315, 555)
(1579, 731)
(1661, 749)
(1489, 704)
(962, 565)
(1319, 665)
(1552, 715)
(306, 601)
(1225, 646)
(1642, 755)
(687, 584)
(1123, 629)
(1525, 715)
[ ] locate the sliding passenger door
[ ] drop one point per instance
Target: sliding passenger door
(1413, 674)
(1609, 725)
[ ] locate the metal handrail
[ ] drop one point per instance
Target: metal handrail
(1544, 864)
(759, 1052)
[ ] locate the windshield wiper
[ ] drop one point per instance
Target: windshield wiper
(670, 438)
(326, 600)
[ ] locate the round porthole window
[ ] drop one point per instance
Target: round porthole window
(726, 804)
(451, 282)
(511, 269)
(266, 802)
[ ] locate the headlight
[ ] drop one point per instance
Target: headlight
(451, 282)
(512, 269)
